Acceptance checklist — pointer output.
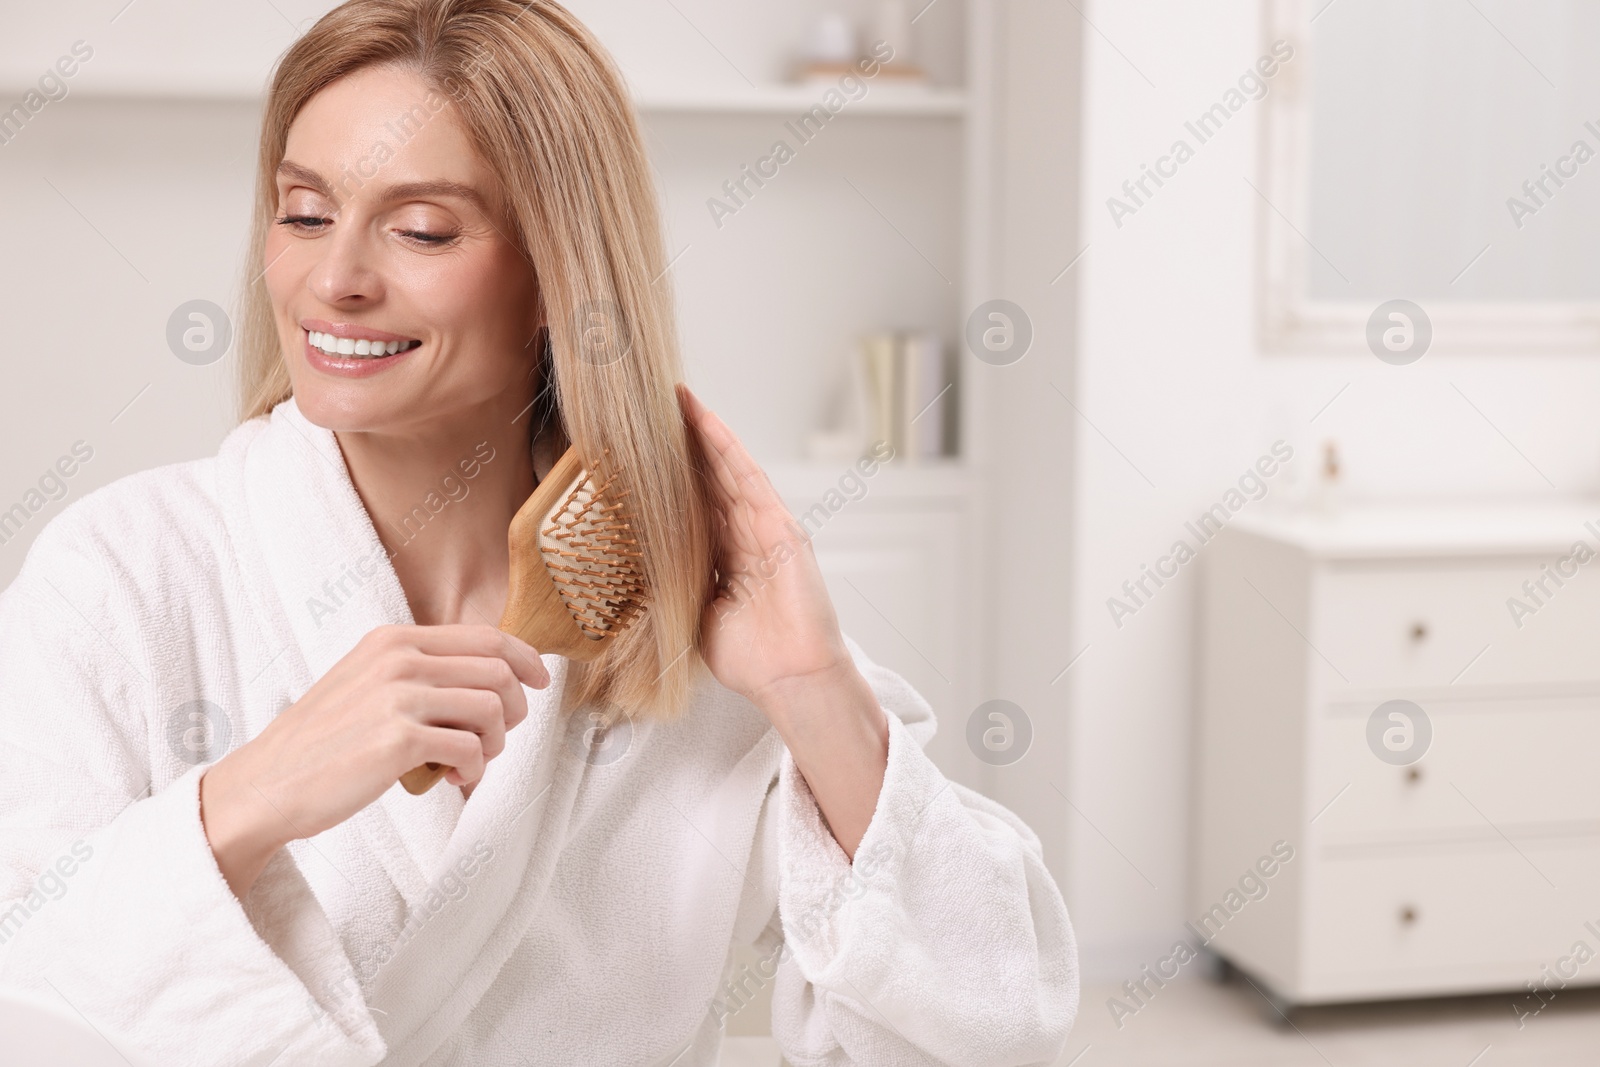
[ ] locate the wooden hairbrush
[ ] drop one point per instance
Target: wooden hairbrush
(577, 575)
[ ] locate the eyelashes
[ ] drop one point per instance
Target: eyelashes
(312, 224)
(434, 240)
(299, 220)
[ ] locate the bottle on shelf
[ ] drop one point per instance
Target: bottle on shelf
(834, 48)
(1327, 491)
(830, 50)
(892, 25)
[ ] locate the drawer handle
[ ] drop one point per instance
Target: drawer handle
(1419, 631)
(1408, 915)
(1413, 775)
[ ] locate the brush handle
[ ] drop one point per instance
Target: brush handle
(527, 568)
(534, 611)
(418, 780)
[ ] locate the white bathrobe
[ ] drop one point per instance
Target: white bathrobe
(580, 908)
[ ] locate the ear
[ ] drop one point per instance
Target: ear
(534, 323)
(534, 326)
(538, 340)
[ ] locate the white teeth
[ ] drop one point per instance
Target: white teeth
(349, 346)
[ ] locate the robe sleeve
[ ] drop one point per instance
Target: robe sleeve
(945, 942)
(111, 903)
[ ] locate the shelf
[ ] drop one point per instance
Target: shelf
(153, 91)
(797, 99)
(804, 483)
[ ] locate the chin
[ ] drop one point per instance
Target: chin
(347, 408)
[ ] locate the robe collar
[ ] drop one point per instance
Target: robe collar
(335, 583)
(299, 528)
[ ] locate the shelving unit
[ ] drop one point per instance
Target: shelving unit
(882, 222)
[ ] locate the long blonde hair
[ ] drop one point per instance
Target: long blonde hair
(548, 112)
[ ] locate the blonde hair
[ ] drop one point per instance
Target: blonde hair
(547, 110)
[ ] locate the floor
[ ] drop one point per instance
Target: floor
(1197, 1023)
(749, 1052)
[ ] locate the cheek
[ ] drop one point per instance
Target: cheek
(508, 273)
(286, 266)
(502, 282)
(487, 299)
(278, 263)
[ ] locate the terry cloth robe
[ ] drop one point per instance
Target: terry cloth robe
(579, 908)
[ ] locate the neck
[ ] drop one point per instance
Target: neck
(442, 497)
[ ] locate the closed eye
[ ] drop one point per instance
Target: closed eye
(432, 240)
(303, 222)
(313, 224)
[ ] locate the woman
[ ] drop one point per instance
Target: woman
(215, 673)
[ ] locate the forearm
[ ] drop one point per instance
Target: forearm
(946, 921)
(839, 738)
(235, 985)
(243, 829)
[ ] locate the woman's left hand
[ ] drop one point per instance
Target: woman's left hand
(771, 635)
(771, 623)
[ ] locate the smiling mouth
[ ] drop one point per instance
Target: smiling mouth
(357, 347)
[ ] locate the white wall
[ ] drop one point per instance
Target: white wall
(1168, 370)
(1030, 424)
(114, 214)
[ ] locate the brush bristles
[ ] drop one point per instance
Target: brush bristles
(593, 556)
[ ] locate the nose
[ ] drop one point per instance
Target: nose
(346, 274)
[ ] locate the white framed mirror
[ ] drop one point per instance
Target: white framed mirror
(1443, 153)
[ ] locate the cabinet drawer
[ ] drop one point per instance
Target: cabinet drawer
(1450, 920)
(1507, 762)
(1408, 626)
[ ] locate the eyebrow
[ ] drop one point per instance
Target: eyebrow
(418, 190)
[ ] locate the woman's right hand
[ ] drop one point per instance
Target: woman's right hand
(404, 696)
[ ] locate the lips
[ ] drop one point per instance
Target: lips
(354, 341)
(350, 350)
(358, 347)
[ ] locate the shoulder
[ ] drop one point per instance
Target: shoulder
(136, 520)
(144, 535)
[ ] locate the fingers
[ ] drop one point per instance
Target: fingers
(460, 685)
(524, 661)
(476, 672)
(469, 711)
(460, 751)
(471, 640)
(731, 455)
(718, 437)
(735, 475)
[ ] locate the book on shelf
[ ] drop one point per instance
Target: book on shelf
(899, 388)
(909, 393)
